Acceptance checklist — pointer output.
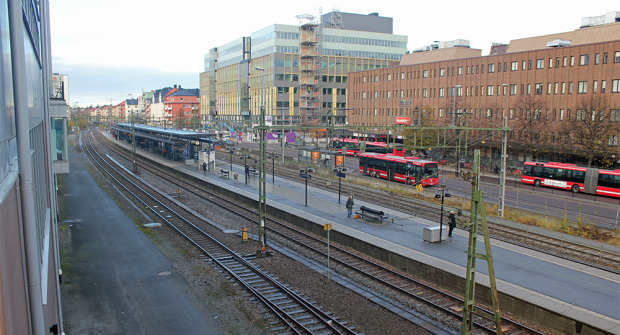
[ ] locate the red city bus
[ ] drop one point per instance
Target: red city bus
(352, 146)
(396, 168)
(572, 177)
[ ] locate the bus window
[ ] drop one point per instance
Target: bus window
(608, 180)
(578, 176)
(431, 170)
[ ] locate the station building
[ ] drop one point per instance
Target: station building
(33, 118)
(298, 73)
(550, 75)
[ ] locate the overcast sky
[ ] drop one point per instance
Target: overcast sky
(111, 48)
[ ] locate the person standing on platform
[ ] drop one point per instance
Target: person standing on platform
(451, 223)
(204, 168)
(247, 172)
(349, 206)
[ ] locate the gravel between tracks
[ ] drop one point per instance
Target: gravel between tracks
(236, 314)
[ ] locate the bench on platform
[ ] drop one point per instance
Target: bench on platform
(225, 173)
(253, 172)
(372, 213)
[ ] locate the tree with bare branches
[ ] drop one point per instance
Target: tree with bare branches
(593, 131)
(421, 138)
(530, 124)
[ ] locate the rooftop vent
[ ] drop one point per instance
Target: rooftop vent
(591, 21)
(558, 43)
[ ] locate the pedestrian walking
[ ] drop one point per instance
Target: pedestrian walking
(204, 167)
(451, 223)
(349, 206)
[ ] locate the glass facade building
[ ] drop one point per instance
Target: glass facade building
(265, 70)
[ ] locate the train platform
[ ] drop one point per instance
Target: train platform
(115, 279)
(588, 295)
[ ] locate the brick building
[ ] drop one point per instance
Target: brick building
(182, 107)
(553, 75)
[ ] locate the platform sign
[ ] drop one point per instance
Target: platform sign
(305, 176)
(339, 160)
(315, 157)
(341, 174)
(419, 187)
(327, 226)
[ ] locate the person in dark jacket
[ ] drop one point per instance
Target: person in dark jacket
(349, 206)
(204, 167)
(451, 223)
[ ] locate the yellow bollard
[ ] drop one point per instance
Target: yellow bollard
(245, 234)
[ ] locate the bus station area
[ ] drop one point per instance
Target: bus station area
(530, 283)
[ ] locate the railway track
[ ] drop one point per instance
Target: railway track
(581, 253)
(294, 313)
(447, 307)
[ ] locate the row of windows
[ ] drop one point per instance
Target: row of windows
(363, 41)
(552, 88)
(491, 68)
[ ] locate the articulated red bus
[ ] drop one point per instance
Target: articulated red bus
(396, 168)
(572, 177)
(353, 146)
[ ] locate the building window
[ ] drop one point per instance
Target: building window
(596, 58)
(489, 113)
(548, 88)
(376, 78)
(402, 75)
(605, 58)
(529, 64)
(570, 87)
(540, 63)
(594, 86)
(555, 90)
(584, 60)
(442, 72)
(615, 86)
(603, 85)
(613, 140)
(460, 70)
(557, 62)
(561, 114)
(482, 68)
(491, 68)
(499, 67)
(490, 90)
(539, 89)
(364, 79)
(614, 115)
(512, 113)
(563, 88)
(389, 94)
(441, 91)
(581, 114)
(550, 62)
(425, 73)
(617, 57)
(389, 77)
(523, 65)
(572, 60)
(425, 92)
(376, 94)
(513, 89)
(514, 66)
(364, 94)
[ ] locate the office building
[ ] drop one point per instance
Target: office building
(298, 73)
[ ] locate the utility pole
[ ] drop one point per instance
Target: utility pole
(134, 164)
(502, 175)
(478, 213)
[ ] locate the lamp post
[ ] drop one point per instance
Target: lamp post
(442, 193)
(273, 167)
(305, 174)
(340, 173)
(134, 165)
(502, 176)
(458, 130)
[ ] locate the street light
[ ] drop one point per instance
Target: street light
(442, 193)
(134, 165)
(458, 131)
(340, 173)
(502, 176)
(273, 167)
(305, 174)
